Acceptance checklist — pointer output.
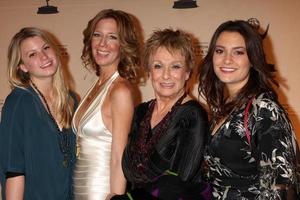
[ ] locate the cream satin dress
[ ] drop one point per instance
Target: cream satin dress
(92, 169)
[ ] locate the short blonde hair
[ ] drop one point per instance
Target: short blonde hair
(172, 40)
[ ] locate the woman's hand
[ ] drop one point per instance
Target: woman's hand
(109, 196)
(15, 188)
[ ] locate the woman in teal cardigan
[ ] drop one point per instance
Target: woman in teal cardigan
(37, 144)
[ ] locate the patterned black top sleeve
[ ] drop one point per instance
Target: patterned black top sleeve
(241, 171)
(273, 135)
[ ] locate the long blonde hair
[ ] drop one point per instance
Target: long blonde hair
(64, 103)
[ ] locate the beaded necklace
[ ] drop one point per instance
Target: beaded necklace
(144, 144)
(63, 141)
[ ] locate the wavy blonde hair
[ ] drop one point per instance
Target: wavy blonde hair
(17, 78)
(130, 46)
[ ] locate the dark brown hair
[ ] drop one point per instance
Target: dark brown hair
(261, 74)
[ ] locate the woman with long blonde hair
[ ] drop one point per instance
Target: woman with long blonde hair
(37, 144)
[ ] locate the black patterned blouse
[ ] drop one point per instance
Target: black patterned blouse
(239, 171)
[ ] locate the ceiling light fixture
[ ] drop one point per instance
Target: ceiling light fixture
(47, 9)
(181, 4)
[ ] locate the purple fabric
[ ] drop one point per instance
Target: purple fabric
(155, 192)
(207, 193)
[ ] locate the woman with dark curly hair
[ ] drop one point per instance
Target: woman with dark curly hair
(252, 151)
(102, 120)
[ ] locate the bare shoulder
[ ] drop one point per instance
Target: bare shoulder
(121, 89)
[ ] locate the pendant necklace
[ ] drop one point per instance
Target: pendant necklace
(63, 141)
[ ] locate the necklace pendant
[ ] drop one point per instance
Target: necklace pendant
(65, 163)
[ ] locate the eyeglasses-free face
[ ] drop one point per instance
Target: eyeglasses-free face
(38, 58)
(105, 43)
(168, 73)
(230, 60)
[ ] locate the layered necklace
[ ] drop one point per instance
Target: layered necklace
(63, 140)
(144, 144)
